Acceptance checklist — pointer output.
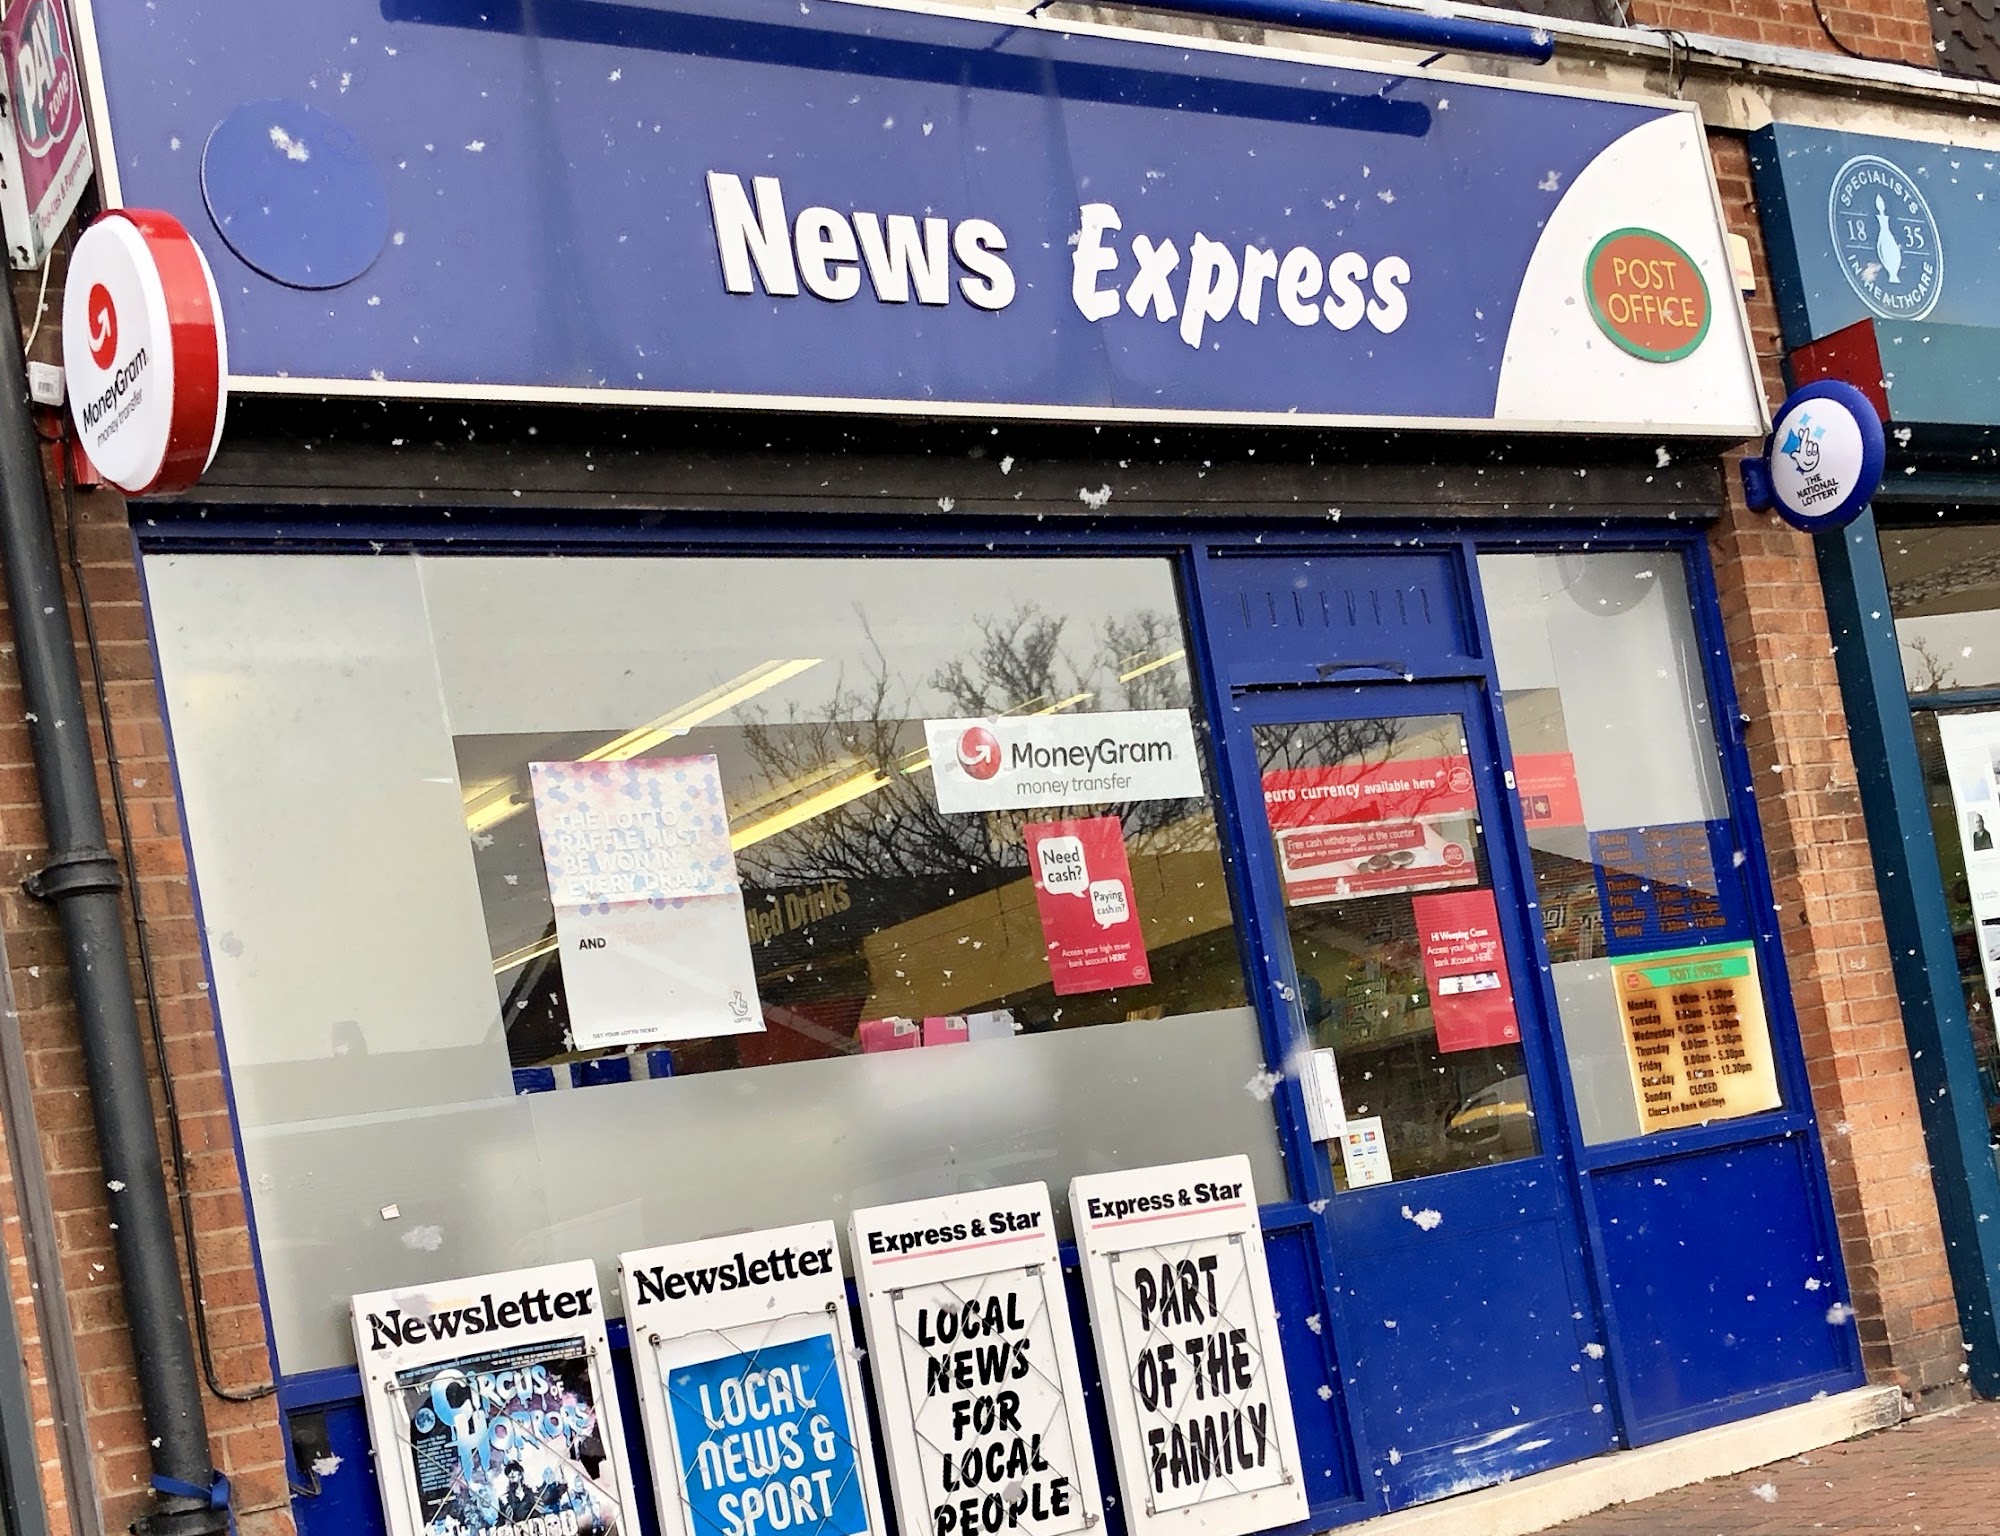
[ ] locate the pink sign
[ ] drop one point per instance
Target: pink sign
(1083, 891)
(1465, 964)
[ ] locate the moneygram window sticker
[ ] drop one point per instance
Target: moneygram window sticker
(1028, 762)
(1188, 1351)
(975, 1365)
(1372, 829)
(749, 1385)
(491, 1407)
(648, 910)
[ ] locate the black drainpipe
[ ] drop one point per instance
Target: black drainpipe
(81, 879)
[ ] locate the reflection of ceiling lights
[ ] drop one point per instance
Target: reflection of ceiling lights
(805, 810)
(1152, 666)
(502, 801)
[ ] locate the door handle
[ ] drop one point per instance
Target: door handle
(1386, 668)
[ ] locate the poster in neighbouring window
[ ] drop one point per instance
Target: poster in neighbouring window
(1972, 764)
(649, 911)
(1083, 894)
(1372, 829)
(1465, 967)
(491, 1407)
(975, 1365)
(750, 1386)
(1696, 1037)
(1187, 1348)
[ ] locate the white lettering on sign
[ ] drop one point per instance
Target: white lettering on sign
(1341, 290)
(828, 251)
(1187, 1343)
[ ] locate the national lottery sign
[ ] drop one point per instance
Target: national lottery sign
(882, 208)
(750, 1386)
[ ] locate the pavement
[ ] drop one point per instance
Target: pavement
(1939, 1475)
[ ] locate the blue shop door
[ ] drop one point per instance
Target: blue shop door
(1394, 961)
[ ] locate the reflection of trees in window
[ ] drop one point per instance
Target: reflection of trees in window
(863, 751)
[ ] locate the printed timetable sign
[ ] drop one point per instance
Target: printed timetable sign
(1187, 1348)
(1695, 1036)
(975, 1369)
(749, 1386)
(491, 1406)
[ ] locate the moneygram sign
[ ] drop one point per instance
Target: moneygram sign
(1041, 760)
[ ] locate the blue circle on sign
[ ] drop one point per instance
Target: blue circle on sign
(1886, 238)
(1826, 454)
(295, 194)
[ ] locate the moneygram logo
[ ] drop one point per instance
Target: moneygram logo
(103, 326)
(979, 752)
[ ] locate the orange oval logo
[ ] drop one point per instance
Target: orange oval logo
(1647, 294)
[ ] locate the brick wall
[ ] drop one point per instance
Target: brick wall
(1892, 31)
(246, 1437)
(1824, 878)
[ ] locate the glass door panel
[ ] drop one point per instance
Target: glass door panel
(1395, 941)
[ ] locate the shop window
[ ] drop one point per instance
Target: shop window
(378, 756)
(1944, 588)
(1637, 867)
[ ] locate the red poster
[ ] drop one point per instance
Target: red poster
(1371, 829)
(1546, 783)
(1472, 998)
(1083, 891)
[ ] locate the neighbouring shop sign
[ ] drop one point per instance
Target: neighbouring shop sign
(1972, 766)
(1188, 1349)
(144, 355)
(648, 908)
(491, 1405)
(1695, 1036)
(750, 1387)
(975, 1365)
(45, 148)
(1019, 762)
(887, 208)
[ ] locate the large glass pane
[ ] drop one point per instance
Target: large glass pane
(354, 745)
(1944, 588)
(1636, 863)
(1395, 940)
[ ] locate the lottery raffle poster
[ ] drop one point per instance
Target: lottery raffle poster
(1188, 1351)
(1972, 763)
(648, 908)
(491, 1406)
(750, 1386)
(974, 1365)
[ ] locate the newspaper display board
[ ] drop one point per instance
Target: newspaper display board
(491, 1406)
(1187, 1348)
(749, 1386)
(975, 1366)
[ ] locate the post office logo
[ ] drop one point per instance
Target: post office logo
(1886, 238)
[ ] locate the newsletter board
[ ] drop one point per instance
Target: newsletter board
(491, 1406)
(749, 1386)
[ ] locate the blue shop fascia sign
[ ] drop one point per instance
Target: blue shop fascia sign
(822, 205)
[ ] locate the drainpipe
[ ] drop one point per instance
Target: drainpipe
(81, 880)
